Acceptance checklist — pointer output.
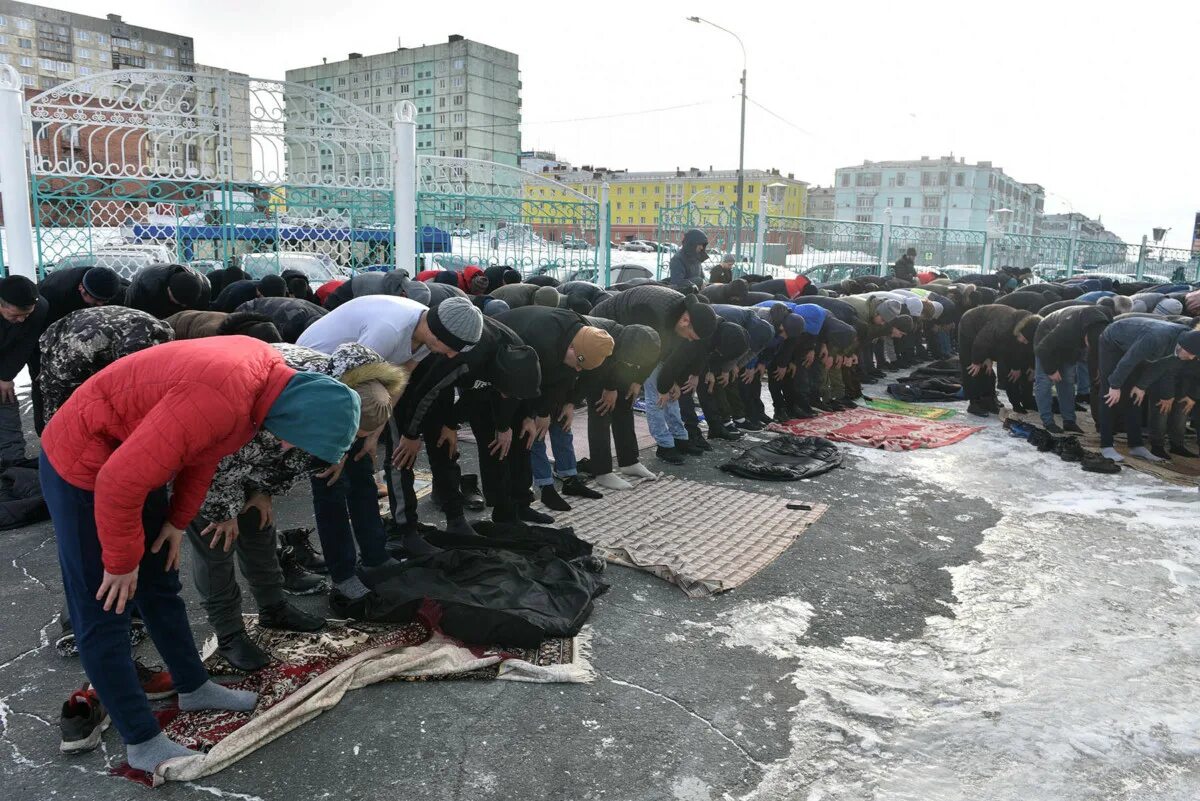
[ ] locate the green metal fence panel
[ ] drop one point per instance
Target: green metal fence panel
(938, 248)
(3, 269)
(483, 213)
(1170, 265)
(1048, 256)
(1105, 257)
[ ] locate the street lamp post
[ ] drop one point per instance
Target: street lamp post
(741, 175)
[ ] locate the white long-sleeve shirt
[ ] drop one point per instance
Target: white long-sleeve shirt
(384, 323)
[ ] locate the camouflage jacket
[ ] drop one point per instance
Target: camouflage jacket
(259, 466)
(84, 342)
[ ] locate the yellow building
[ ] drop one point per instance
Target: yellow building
(637, 198)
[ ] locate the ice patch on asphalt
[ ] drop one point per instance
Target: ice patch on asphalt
(1068, 671)
(775, 627)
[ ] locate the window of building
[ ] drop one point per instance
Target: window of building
(866, 201)
(355, 95)
(441, 102)
(403, 88)
(24, 24)
(458, 117)
(867, 179)
(152, 50)
(458, 153)
(341, 81)
(3, 22)
(169, 52)
(441, 119)
(458, 63)
(83, 53)
(933, 202)
(643, 221)
(904, 220)
(3, 58)
(377, 91)
(899, 179)
(389, 91)
(643, 205)
(908, 202)
(457, 82)
(458, 100)
(441, 83)
(101, 39)
(618, 206)
(458, 135)
(960, 179)
(863, 218)
(891, 202)
(28, 80)
(845, 179)
(26, 44)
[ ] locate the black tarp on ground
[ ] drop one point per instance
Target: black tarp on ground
(496, 596)
(920, 390)
(21, 500)
(786, 458)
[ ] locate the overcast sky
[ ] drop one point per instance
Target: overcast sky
(1095, 101)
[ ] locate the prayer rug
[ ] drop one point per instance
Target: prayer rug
(312, 672)
(918, 410)
(705, 538)
(872, 429)
(1180, 471)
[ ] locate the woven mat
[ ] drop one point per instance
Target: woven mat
(921, 411)
(312, 672)
(871, 429)
(706, 539)
(1180, 470)
(579, 432)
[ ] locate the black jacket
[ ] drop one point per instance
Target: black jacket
(989, 332)
(1060, 335)
(659, 307)
(61, 290)
(549, 332)
(617, 372)
(734, 294)
(685, 270)
(904, 268)
(721, 274)
(148, 291)
(19, 342)
(393, 282)
(292, 316)
(235, 294)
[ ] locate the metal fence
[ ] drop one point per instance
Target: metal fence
(483, 213)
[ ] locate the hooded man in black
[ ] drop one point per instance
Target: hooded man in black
(686, 270)
(161, 290)
(905, 268)
(565, 345)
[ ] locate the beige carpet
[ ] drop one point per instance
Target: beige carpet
(706, 539)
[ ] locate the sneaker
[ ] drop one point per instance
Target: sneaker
(285, 617)
(1095, 463)
(308, 556)
(1072, 427)
(297, 580)
(576, 488)
(1069, 450)
(65, 644)
(472, 497)
(156, 682)
(730, 434)
(669, 455)
(83, 722)
(1052, 428)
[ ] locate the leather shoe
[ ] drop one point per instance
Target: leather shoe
(472, 497)
(242, 653)
(288, 618)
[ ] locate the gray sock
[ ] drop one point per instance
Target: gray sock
(1111, 453)
(149, 755)
(211, 695)
(1143, 453)
(352, 588)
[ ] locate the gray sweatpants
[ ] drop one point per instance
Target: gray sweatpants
(12, 434)
(214, 577)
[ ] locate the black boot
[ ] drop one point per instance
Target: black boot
(288, 618)
(819, 405)
(575, 487)
(242, 653)
(405, 541)
(527, 515)
(297, 580)
(472, 498)
(1182, 450)
(669, 455)
(552, 500)
(1160, 452)
(308, 556)
(978, 408)
(459, 527)
(1072, 427)
(689, 447)
(696, 439)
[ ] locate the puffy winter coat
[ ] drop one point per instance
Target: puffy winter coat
(291, 316)
(686, 270)
(990, 332)
(166, 414)
(592, 293)
(1029, 301)
(234, 295)
(1060, 335)
(395, 282)
(733, 292)
(148, 290)
(461, 278)
(549, 332)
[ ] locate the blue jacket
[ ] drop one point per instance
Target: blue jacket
(1092, 297)
(813, 316)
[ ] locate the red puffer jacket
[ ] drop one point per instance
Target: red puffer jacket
(165, 414)
(462, 278)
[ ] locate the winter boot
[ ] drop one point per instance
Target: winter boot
(308, 556)
(472, 497)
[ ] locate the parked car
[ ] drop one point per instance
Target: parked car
(162, 254)
(317, 266)
(461, 232)
(124, 264)
(617, 274)
(835, 271)
(637, 246)
(572, 243)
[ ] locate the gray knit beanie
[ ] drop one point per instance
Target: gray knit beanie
(888, 309)
(1168, 306)
(457, 323)
(546, 296)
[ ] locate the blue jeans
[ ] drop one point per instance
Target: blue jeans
(1083, 381)
(666, 424)
(563, 443)
(103, 637)
(353, 494)
(1065, 388)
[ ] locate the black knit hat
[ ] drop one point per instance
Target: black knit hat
(187, 287)
(102, 283)
(731, 341)
(272, 286)
(638, 345)
(704, 319)
(19, 291)
(903, 323)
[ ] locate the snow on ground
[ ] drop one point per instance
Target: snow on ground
(1069, 667)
